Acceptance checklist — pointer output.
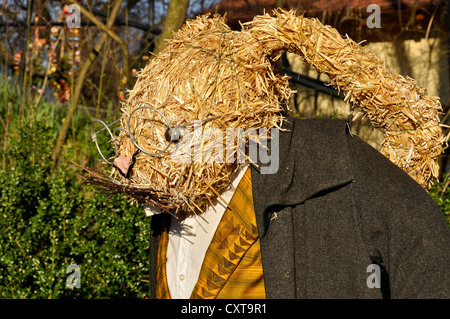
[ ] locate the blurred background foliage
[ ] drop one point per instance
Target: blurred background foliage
(49, 219)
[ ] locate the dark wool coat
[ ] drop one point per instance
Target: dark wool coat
(335, 207)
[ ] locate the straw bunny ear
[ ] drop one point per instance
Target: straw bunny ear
(408, 118)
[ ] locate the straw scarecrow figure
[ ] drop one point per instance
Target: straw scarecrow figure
(249, 203)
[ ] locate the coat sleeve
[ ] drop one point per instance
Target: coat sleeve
(402, 227)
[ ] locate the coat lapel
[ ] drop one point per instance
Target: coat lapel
(313, 159)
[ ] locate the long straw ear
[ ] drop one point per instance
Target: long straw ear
(408, 118)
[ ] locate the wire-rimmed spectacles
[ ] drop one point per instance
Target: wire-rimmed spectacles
(172, 135)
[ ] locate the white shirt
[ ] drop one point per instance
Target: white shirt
(189, 240)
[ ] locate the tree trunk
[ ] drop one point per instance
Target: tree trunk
(79, 84)
(176, 15)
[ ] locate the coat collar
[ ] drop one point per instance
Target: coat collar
(313, 158)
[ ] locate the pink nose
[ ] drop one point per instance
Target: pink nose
(123, 163)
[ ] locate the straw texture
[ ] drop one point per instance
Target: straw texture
(408, 118)
(208, 70)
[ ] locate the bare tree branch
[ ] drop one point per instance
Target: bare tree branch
(123, 45)
(79, 84)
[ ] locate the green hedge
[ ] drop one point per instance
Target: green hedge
(441, 195)
(50, 219)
